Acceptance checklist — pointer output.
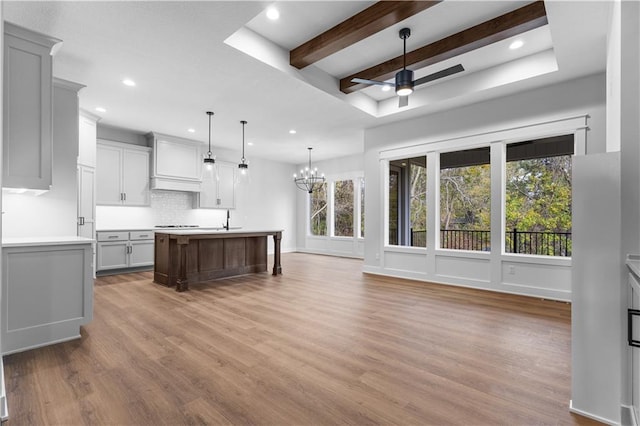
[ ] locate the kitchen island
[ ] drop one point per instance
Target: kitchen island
(193, 255)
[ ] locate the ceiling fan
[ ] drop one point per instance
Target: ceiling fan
(404, 78)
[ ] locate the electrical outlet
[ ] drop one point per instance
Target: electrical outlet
(377, 256)
(512, 269)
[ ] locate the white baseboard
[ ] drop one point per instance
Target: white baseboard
(628, 416)
(591, 415)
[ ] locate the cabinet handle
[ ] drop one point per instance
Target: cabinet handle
(111, 237)
(630, 314)
(125, 196)
(143, 236)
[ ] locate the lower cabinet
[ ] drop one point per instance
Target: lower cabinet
(47, 291)
(124, 249)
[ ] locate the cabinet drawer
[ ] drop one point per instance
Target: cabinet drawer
(113, 236)
(141, 235)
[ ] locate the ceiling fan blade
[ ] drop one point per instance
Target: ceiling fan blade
(403, 101)
(377, 83)
(440, 74)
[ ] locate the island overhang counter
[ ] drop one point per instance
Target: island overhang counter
(193, 255)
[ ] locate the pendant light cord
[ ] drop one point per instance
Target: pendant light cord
(209, 113)
(243, 123)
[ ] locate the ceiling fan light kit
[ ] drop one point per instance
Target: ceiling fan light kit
(404, 78)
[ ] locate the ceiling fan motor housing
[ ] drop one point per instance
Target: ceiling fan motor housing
(404, 79)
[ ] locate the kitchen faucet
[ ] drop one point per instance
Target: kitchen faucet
(227, 225)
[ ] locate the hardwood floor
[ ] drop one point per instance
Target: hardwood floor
(321, 344)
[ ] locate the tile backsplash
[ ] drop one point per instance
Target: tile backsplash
(171, 207)
(167, 208)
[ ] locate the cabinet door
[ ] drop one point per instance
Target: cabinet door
(86, 202)
(27, 110)
(108, 175)
(135, 181)
(226, 186)
(634, 286)
(208, 195)
(112, 255)
(141, 253)
(87, 138)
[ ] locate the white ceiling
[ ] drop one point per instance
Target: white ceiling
(189, 57)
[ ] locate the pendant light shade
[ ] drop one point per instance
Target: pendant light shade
(309, 179)
(209, 169)
(243, 168)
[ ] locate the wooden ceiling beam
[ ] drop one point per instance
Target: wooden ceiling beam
(373, 19)
(508, 25)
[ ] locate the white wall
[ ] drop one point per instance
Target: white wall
(55, 212)
(267, 202)
(349, 167)
(547, 277)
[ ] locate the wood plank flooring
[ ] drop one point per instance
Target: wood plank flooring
(322, 344)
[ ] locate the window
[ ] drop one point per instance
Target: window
(343, 208)
(538, 197)
(465, 200)
(361, 208)
(408, 202)
(318, 211)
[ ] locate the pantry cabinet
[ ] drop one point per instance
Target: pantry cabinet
(122, 174)
(27, 110)
(219, 193)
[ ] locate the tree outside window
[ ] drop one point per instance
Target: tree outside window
(343, 208)
(538, 197)
(361, 208)
(318, 211)
(408, 202)
(465, 200)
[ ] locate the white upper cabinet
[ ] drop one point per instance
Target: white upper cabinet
(122, 174)
(27, 112)
(177, 163)
(88, 138)
(219, 193)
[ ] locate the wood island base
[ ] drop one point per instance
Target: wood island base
(188, 256)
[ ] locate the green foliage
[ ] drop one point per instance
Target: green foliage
(538, 194)
(465, 198)
(343, 208)
(318, 217)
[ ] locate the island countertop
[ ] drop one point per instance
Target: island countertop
(204, 231)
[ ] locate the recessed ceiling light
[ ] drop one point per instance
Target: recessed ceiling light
(273, 13)
(128, 82)
(292, 132)
(100, 109)
(516, 45)
(386, 88)
(250, 143)
(191, 130)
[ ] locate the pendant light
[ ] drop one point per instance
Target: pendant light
(243, 167)
(308, 179)
(209, 169)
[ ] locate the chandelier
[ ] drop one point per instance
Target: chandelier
(308, 179)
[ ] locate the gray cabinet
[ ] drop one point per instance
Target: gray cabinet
(220, 193)
(46, 303)
(124, 249)
(122, 174)
(27, 112)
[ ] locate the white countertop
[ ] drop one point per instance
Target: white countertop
(633, 263)
(153, 228)
(198, 231)
(44, 241)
